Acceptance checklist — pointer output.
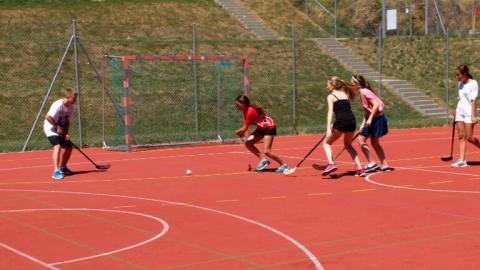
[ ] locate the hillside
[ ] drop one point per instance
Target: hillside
(363, 17)
(34, 36)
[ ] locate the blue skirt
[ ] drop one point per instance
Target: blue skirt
(378, 128)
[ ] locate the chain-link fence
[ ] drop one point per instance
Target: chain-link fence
(287, 76)
(346, 19)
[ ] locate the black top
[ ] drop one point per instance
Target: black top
(342, 109)
(344, 117)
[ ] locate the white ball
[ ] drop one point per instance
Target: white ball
(189, 172)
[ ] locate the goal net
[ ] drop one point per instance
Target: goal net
(173, 99)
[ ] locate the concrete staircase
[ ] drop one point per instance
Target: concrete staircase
(406, 90)
(247, 19)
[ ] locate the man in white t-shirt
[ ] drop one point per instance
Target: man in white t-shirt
(56, 128)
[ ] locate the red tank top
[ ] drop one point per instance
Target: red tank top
(262, 121)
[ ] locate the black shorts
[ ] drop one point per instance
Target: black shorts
(57, 140)
(271, 132)
(345, 125)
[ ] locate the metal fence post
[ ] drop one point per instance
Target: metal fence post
(473, 17)
(446, 75)
(335, 17)
(380, 34)
(218, 102)
(195, 83)
(410, 11)
(384, 19)
(294, 94)
(104, 144)
(425, 6)
(77, 83)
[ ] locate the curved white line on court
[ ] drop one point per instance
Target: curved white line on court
(31, 258)
(368, 179)
(162, 233)
(301, 247)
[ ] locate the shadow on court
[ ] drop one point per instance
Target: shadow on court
(340, 175)
(268, 170)
(88, 171)
(473, 163)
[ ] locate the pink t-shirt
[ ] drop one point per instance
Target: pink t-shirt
(367, 97)
(263, 121)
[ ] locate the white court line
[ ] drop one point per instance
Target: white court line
(434, 171)
(369, 176)
(196, 155)
(158, 235)
(297, 244)
(33, 259)
(125, 159)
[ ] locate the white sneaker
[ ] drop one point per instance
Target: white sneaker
(459, 163)
(371, 167)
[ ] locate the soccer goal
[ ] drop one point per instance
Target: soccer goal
(173, 99)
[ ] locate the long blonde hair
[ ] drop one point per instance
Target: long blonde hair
(344, 86)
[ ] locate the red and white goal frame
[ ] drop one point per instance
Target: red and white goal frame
(126, 60)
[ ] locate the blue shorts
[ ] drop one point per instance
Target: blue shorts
(378, 128)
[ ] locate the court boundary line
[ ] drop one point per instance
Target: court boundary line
(29, 257)
(151, 239)
(188, 155)
(313, 259)
(368, 179)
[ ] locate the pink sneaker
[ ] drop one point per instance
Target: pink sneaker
(329, 168)
(360, 173)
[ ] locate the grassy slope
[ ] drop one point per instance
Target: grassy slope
(280, 15)
(421, 60)
(33, 38)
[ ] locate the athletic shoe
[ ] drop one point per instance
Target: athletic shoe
(57, 175)
(281, 168)
(385, 169)
(263, 163)
(65, 171)
(329, 168)
(371, 167)
(459, 163)
(360, 173)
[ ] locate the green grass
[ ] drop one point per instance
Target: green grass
(33, 36)
(421, 60)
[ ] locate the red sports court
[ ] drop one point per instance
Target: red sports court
(145, 212)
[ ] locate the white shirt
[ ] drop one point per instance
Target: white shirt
(466, 94)
(60, 113)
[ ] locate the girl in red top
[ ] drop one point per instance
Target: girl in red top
(266, 129)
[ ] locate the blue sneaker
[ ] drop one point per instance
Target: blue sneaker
(57, 175)
(281, 168)
(65, 171)
(263, 163)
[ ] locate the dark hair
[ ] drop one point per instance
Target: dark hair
(243, 99)
(360, 80)
(463, 69)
